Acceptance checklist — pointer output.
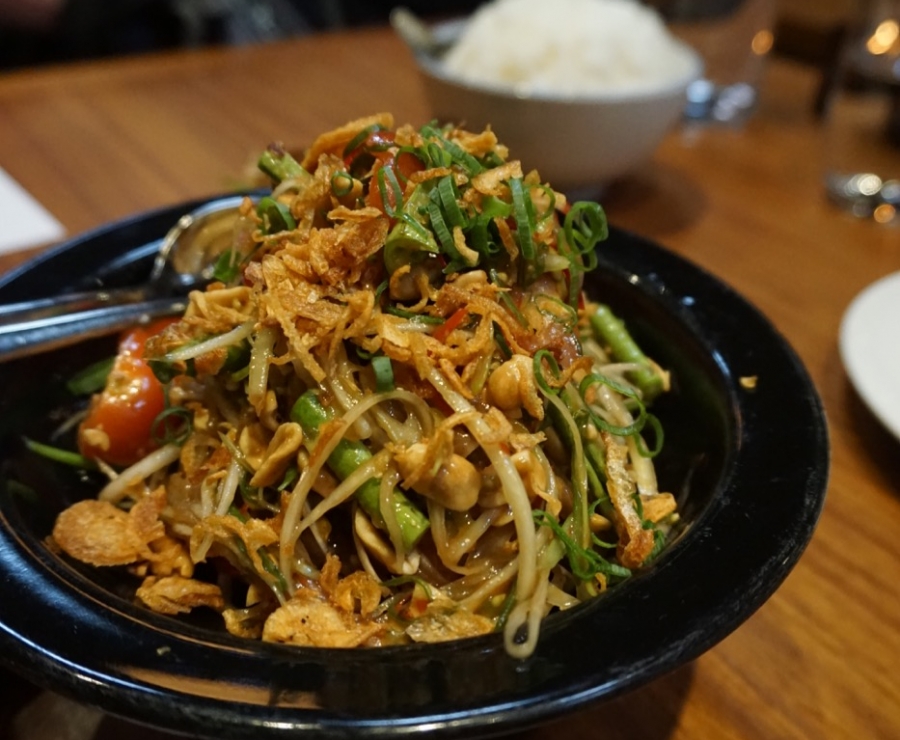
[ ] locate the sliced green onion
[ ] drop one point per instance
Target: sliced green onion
(172, 426)
(166, 370)
(361, 137)
(557, 311)
(280, 165)
(91, 379)
(280, 587)
(492, 207)
(461, 157)
(290, 476)
(505, 610)
(457, 155)
(254, 496)
(531, 263)
(538, 364)
(404, 580)
(585, 226)
(379, 291)
(659, 544)
(600, 423)
(384, 373)
(411, 151)
(584, 562)
(66, 457)
(506, 299)
(445, 237)
(268, 564)
(447, 191)
(434, 155)
(341, 183)
(276, 216)
(384, 178)
(237, 357)
(440, 226)
(551, 208)
(228, 266)
(236, 453)
(501, 342)
(658, 435)
(409, 240)
(601, 497)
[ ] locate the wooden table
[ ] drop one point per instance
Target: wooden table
(819, 660)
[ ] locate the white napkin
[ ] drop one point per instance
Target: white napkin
(23, 221)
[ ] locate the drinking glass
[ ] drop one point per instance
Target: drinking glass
(862, 125)
(733, 37)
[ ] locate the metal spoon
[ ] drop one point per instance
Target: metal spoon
(31, 327)
(416, 33)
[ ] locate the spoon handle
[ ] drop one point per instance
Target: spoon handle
(30, 337)
(68, 303)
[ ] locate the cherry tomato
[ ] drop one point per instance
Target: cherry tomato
(405, 164)
(119, 424)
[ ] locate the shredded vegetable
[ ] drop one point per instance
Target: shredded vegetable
(396, 417)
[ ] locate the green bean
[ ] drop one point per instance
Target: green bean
(610, 330)
(349, 455)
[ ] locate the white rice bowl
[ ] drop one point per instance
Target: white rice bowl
(581, 90)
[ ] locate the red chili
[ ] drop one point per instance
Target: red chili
(444, 330)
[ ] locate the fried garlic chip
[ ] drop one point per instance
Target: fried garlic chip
(334, 141)
(309, 619)
(98, 533)
(178, 595)
(444, 621)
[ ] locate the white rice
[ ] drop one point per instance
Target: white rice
(567, 48)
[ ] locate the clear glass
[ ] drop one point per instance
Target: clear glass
(862, 132)
(733, 37)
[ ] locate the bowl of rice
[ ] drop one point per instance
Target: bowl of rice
(583, 90)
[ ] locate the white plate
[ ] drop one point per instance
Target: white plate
(870, 348)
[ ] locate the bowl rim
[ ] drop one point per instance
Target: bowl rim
(431, 66)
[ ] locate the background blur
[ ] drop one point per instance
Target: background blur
(34, 32)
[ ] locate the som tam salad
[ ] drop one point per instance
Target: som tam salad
(395, 417)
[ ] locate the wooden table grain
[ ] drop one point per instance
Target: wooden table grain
(100, 141)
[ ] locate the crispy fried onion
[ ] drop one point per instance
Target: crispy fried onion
(178, 595)
(99, 533)
(635, 542)
(336, 612)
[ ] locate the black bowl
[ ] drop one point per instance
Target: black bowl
(750, 462)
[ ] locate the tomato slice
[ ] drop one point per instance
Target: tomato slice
(405, 164)
(118, 428)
